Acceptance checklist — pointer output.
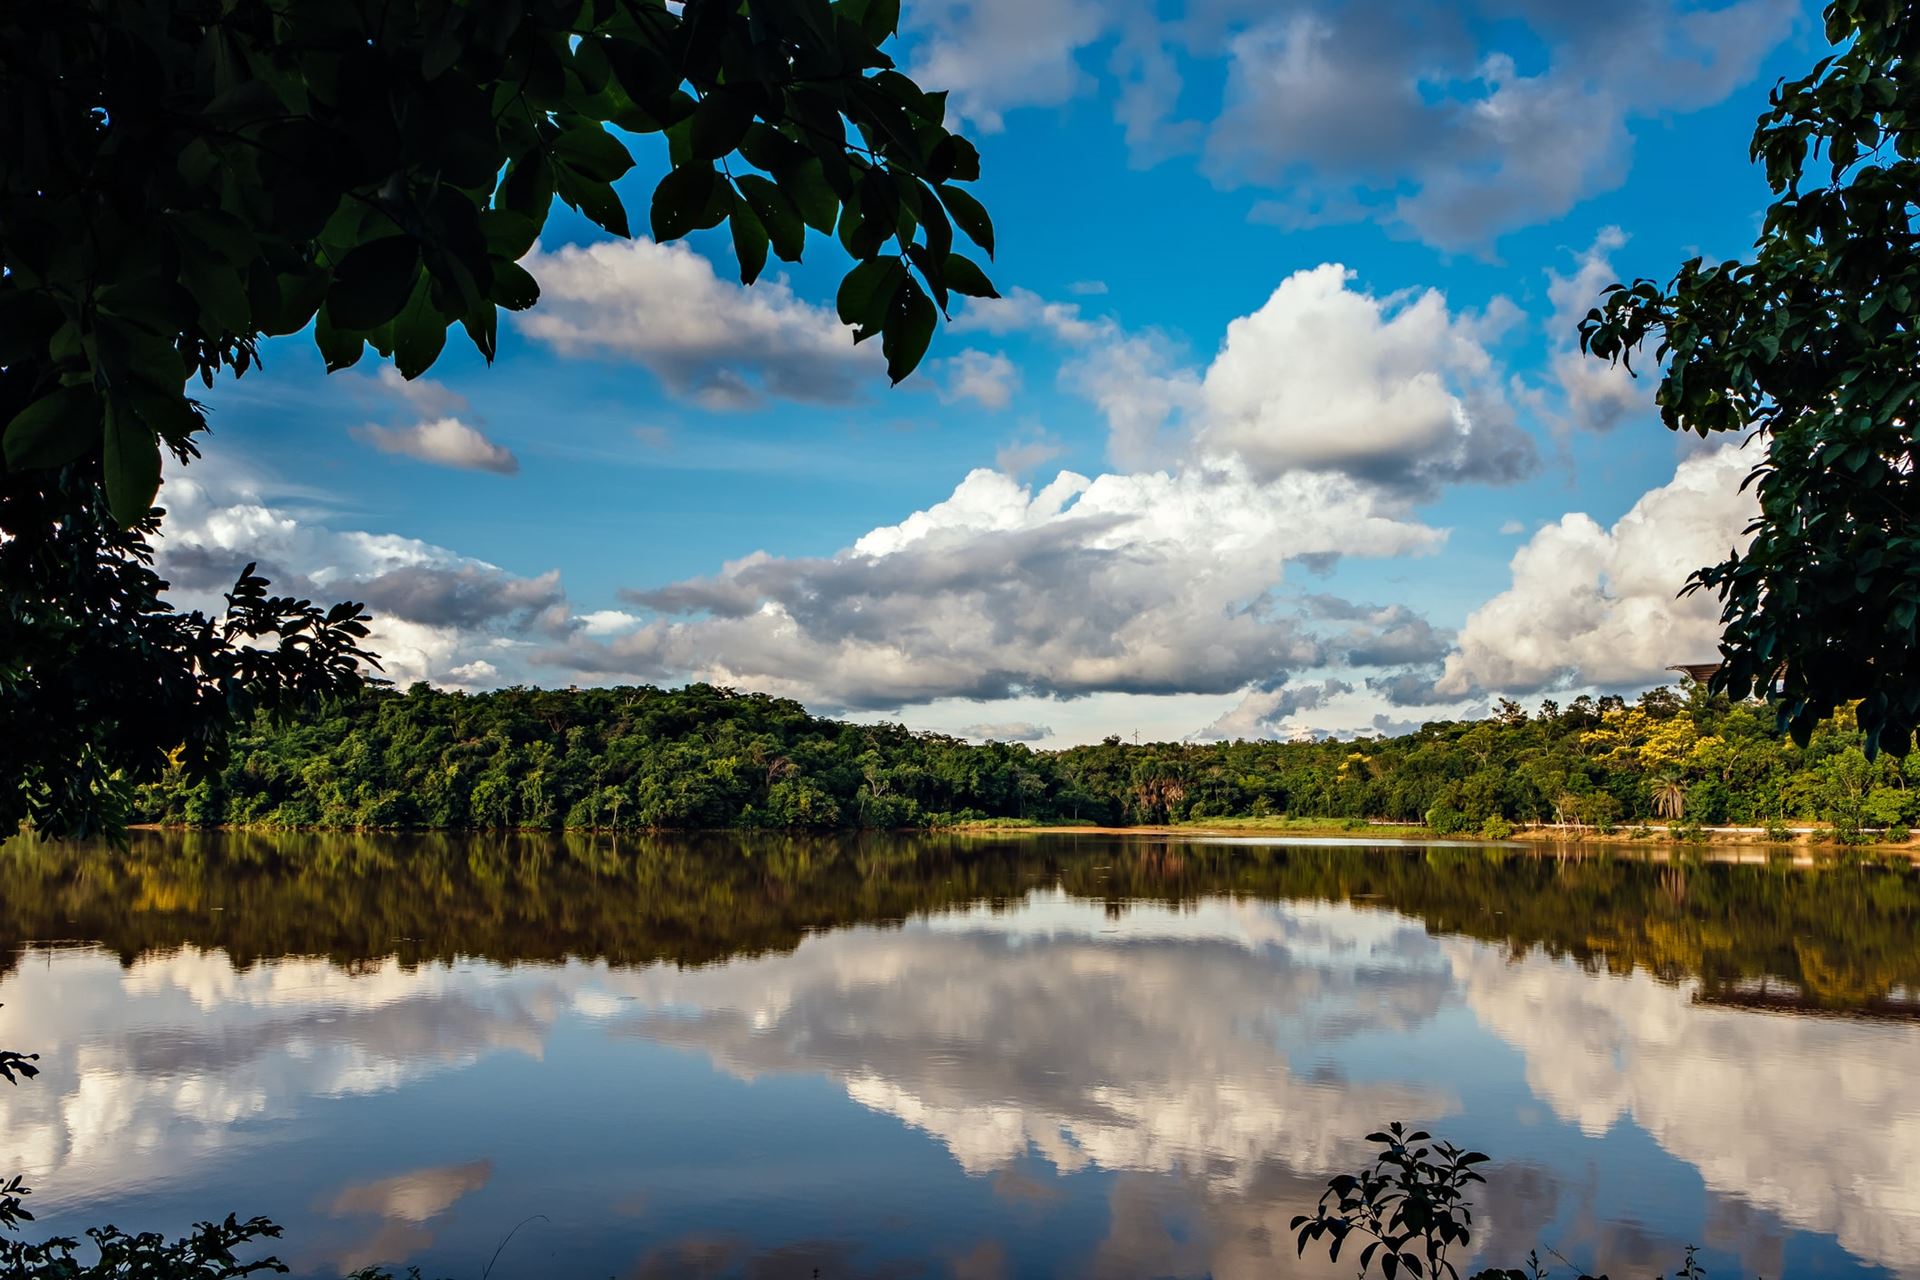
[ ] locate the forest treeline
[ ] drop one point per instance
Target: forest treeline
(642, 758)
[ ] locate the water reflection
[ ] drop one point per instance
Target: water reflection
(1054, 1057)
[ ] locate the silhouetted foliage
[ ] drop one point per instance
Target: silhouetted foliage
(1410, 1207)
(1813, 346)
(184, 179)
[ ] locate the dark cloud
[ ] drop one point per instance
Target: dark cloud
(456, 596)
(1411, 113)
(1413, 687)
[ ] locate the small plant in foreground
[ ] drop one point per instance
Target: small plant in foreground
(1411, 1207)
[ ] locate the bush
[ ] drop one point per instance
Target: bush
(1445, 820)
(1496, 828)
(1686, 832)
(1779, 832)
(1898, 833)
(1410, 1208)
(1641, 832)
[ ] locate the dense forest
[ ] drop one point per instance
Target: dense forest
(704, 758)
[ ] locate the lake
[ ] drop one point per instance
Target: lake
(954, 1056)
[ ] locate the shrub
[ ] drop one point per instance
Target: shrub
(1779, 832)
(1496, 828)
(1409, 1209)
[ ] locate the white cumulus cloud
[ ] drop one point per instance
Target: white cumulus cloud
(447, 441)
(708, 340)
(1596, 606)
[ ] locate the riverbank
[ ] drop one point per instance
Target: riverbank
(1800, 839)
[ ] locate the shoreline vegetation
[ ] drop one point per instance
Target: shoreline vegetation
(1681, 767)
(1805, 838)
(1675, 766)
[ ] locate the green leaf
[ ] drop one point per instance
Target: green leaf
(54, 430)
(132, 466)
(221, 292)
(750, 239)
(300, 294)
(807, 187)
(592, 152)
(954, 158)
(908, 330)
(483, 328)
(965, 276)
(169, 414)
(338, 348)
(528, 188)
(680, 201)
(600, 202)
(879, 19)
(777, 215)
(719, 123)
(514, 287)
(419, 333)
(969, 214)
(865, 294)
(509, 234)
(373, 282)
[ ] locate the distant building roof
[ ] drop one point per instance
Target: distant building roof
(1697, 671)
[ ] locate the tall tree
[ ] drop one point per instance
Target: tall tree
(183, 178)
(1814, 347)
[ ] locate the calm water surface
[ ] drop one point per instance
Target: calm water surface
(954, 1057)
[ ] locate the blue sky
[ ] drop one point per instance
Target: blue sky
(1289, 291)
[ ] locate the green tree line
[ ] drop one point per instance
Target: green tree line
(701, 757)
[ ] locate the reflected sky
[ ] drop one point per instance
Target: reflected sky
(1045, 1085)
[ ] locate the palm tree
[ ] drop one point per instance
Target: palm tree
(1669, 798)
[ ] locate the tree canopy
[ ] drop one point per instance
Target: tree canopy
(627, 759)
(185, 178)
(1814, 346)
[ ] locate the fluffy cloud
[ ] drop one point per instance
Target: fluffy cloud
(994, 55)
(1398, 392)
(1422, 117)
(989, 379)
(1267, 713)
(1017, 457)
(1325, 415)
(440, 435)
(1597, 606)
(1597, 395)
(708, 340)
(439, 615)
(1012, 731)
(1150, 582)
(1391, 109)
(447, 441)
(1395, 391)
